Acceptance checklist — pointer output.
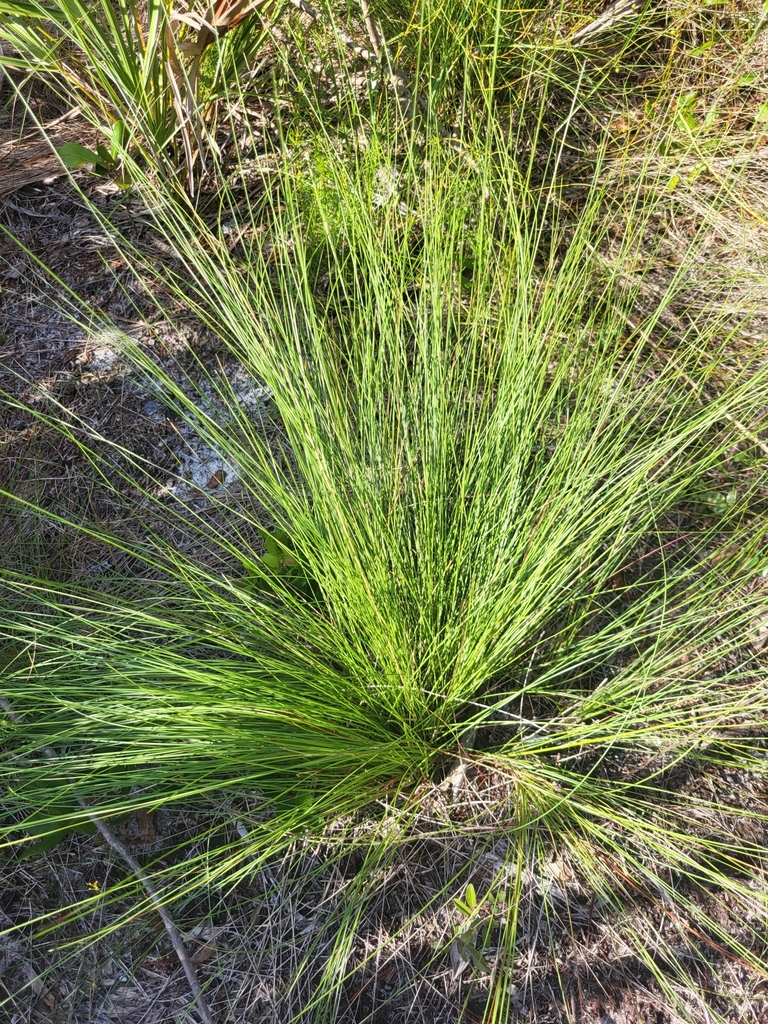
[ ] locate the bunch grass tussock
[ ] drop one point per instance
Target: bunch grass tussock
(454, 686)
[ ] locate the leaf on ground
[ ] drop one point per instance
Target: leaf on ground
(759, 628)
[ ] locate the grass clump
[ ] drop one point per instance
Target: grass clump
(480, 593)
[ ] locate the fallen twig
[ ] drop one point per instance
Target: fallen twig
(374, 33)
(409, 98)
(611, 16)
(122, 850)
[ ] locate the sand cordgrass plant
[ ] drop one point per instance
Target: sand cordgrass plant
(470, 589)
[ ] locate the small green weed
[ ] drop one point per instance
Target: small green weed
(472, 936)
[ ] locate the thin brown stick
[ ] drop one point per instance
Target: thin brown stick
(176, 78)
(374, 34)
(119, 847)
(409, 99)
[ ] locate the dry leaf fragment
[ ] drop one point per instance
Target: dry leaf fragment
(145, 823)
(216, 480)
(204, 952)
(723, 553)
(759, 627)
